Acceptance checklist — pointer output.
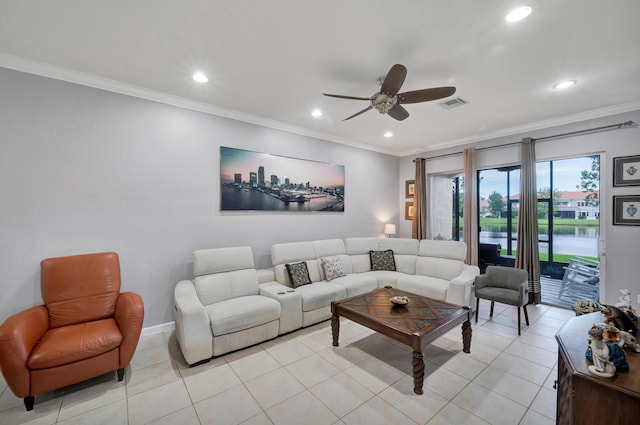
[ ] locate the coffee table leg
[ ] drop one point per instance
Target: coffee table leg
(335, 329)
(418, 371)
(466, 337)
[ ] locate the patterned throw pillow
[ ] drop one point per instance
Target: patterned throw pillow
(382, 260)
(298, 274)
(332, 267)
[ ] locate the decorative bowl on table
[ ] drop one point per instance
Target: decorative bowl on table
(399, 300)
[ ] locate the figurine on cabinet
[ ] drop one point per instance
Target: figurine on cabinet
(605, 350)
(619, 319)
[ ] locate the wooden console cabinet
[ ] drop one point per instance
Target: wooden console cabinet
(584, 398)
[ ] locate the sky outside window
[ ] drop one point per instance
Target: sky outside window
(566, 177)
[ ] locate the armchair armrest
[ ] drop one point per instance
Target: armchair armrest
(129, 316)
(480, 281)
(193, 327)
(18, 335)
(459, 291)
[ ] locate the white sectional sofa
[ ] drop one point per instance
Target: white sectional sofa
(221, 309)
(230, 305)
(433, 268)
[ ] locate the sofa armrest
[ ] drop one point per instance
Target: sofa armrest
(460, 287)
(18, 335)
(193, 328)
(290, 305)
(129, 316)
(266, 275)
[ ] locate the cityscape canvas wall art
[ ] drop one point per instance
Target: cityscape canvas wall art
(264, 182)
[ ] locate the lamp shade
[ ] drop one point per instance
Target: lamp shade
(390, 229)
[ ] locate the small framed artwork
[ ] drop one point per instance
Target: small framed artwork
(408, 210)
(409, 188)
(626, 210)
(626, 171)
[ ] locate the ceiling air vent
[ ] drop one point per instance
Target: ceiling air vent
(453, 103)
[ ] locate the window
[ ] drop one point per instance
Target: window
(457, 188)
(568, 224)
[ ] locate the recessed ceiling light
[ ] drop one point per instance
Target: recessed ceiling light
(388, 134)
(317, 113)
(519, 14)
(200, 77)
(564, 84)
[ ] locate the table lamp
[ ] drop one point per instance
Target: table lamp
(390, 229)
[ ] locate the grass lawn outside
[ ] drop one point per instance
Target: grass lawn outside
(492, 221)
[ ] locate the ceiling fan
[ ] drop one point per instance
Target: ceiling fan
(389, 101)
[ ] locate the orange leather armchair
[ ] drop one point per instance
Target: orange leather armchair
(85, 328)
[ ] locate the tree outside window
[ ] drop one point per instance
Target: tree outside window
(496, 204)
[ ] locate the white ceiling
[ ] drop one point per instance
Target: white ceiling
(269, 61)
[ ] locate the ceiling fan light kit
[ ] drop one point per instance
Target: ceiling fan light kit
(388, 101)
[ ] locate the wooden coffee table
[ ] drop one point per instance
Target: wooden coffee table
(417, 324)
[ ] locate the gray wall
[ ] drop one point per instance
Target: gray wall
(84, 170)
(619, 259)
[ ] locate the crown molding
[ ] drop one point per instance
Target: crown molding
(539, 125)
(30, 66)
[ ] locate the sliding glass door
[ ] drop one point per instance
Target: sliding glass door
(569, 215)
(568, 219)
(498, 204)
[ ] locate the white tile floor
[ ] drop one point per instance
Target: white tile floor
(300, 378)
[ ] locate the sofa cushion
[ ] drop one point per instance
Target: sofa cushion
(454, 250)
(327, 247)
(356, 246)
(242, 313)
(405, 263)
(427, 286)
(442, 268)
(360, 263)
(292, 252)
(386, 277)
(332, 267)
(359, 283)
(298, 274)
(220, 260)
(213, 288)
(400, 246)
(382, 260)
(320, 294)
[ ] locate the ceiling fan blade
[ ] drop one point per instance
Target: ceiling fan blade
(425, 95)
(394, 79)
(339, 96)
(398, 112)
(358, 113)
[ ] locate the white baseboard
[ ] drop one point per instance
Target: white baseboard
(164, 327)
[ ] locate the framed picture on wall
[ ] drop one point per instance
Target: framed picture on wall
(258, 181)
(626, 210)
(408, 210)
(409, 188)
(626, 171)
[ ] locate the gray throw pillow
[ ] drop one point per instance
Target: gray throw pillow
(298, 274)
(382, 260)
(332, 267)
